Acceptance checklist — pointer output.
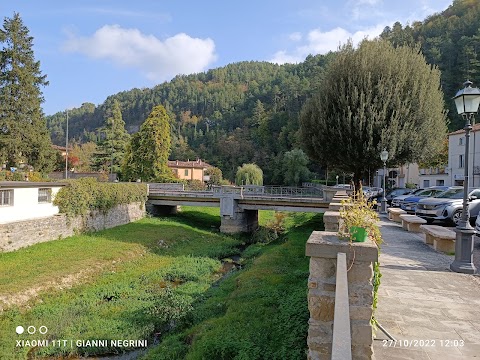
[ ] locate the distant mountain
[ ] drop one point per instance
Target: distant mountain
(449, 40)
(243, 112)
(248, 111)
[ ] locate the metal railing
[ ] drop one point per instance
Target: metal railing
(342, 339)
(242, 191)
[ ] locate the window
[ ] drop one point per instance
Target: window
(440, 183)
(6, 197)
(460, 161)
(426, 183)
(186, 172)
(460, 141)
(44, 195)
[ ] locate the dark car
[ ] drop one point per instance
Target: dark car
(397, 200)
(391, 194)
(409, 204)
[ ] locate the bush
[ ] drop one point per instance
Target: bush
(87, 194)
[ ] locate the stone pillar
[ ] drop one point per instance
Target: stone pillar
(332, 220)
(322, 247)
(234, 219)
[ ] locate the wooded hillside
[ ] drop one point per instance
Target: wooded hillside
(248, 112)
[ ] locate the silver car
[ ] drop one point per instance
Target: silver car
(447, 206)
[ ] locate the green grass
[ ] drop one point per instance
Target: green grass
(155, 276)
(259, 313)
(161, 268)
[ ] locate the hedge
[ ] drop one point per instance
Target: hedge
(83, 195)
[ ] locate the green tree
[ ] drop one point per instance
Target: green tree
(113, 140)
(249, 174)
(216, 176)
(295, 167)
(85, 154)
(372, 98)
(23, 133)
(146, 156)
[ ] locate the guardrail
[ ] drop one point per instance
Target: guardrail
(342, 340)
(242, 191)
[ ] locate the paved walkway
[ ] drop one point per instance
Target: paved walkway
(421, 302)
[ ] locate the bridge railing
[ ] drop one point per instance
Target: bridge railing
(242, 191)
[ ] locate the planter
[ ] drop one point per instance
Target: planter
(359, 234)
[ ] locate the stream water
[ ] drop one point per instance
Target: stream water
(228, 266)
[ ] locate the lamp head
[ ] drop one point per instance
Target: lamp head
(467, 100)
(384, 155)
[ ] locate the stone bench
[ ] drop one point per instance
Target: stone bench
(441, 238)
(394, 214)
(412, 223)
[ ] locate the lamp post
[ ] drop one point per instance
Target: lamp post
(336, 177)
(384, 158)
(467, 101)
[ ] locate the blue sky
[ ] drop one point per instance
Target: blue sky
(90, 49)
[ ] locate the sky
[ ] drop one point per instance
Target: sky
(90, 49)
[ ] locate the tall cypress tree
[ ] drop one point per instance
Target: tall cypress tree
(146, 157)
(23, 133)
(112, 146)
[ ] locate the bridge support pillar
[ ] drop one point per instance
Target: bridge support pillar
(234, 219)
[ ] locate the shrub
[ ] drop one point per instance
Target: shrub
(87, 194)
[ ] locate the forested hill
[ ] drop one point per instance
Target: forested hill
(450, 40)
(241, 113)
(248, 112)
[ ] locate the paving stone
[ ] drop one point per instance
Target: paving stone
(422, 299)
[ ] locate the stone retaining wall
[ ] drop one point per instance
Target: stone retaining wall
(20, 234)
(323, 247)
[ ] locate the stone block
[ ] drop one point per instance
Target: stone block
(362, 334)
(322, 268)
(321, 308)
(361, 272)
(361, 352)
(444, 245)
(360, 312)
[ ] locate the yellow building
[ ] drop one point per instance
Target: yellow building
(189, 170)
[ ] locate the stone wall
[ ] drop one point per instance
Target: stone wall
(323, 248)
(20, 234)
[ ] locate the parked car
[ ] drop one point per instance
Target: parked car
(396, 201)
(390, 195)
(409, 204)
(447, 206)
(477, 225)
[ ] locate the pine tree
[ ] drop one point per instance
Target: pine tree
(113, 142)
(146, 157)
(23, 133)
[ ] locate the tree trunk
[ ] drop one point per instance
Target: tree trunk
(357, 183)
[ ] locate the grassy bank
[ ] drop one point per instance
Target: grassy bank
(129, 282)
(153, 280)
(258, 313)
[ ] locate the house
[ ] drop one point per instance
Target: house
(399, 176)
(456, 157)
(23, 200)
(189, 170)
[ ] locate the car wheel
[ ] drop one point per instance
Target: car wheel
(456, 216)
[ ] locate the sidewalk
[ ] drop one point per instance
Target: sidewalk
(421, 300)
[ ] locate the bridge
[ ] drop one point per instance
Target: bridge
(238, 205)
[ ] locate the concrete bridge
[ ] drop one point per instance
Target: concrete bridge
(238, 205)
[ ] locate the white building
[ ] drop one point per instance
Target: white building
(399, 176)
(23, 200)
(456, 157)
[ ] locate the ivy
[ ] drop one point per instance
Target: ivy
(88, 194)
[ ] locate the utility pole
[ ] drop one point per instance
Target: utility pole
(66, 150)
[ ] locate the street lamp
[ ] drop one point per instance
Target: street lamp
(384, 158)
(467, 101)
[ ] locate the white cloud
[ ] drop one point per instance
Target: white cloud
(158, 60)
(296, 36)
(321, 42)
